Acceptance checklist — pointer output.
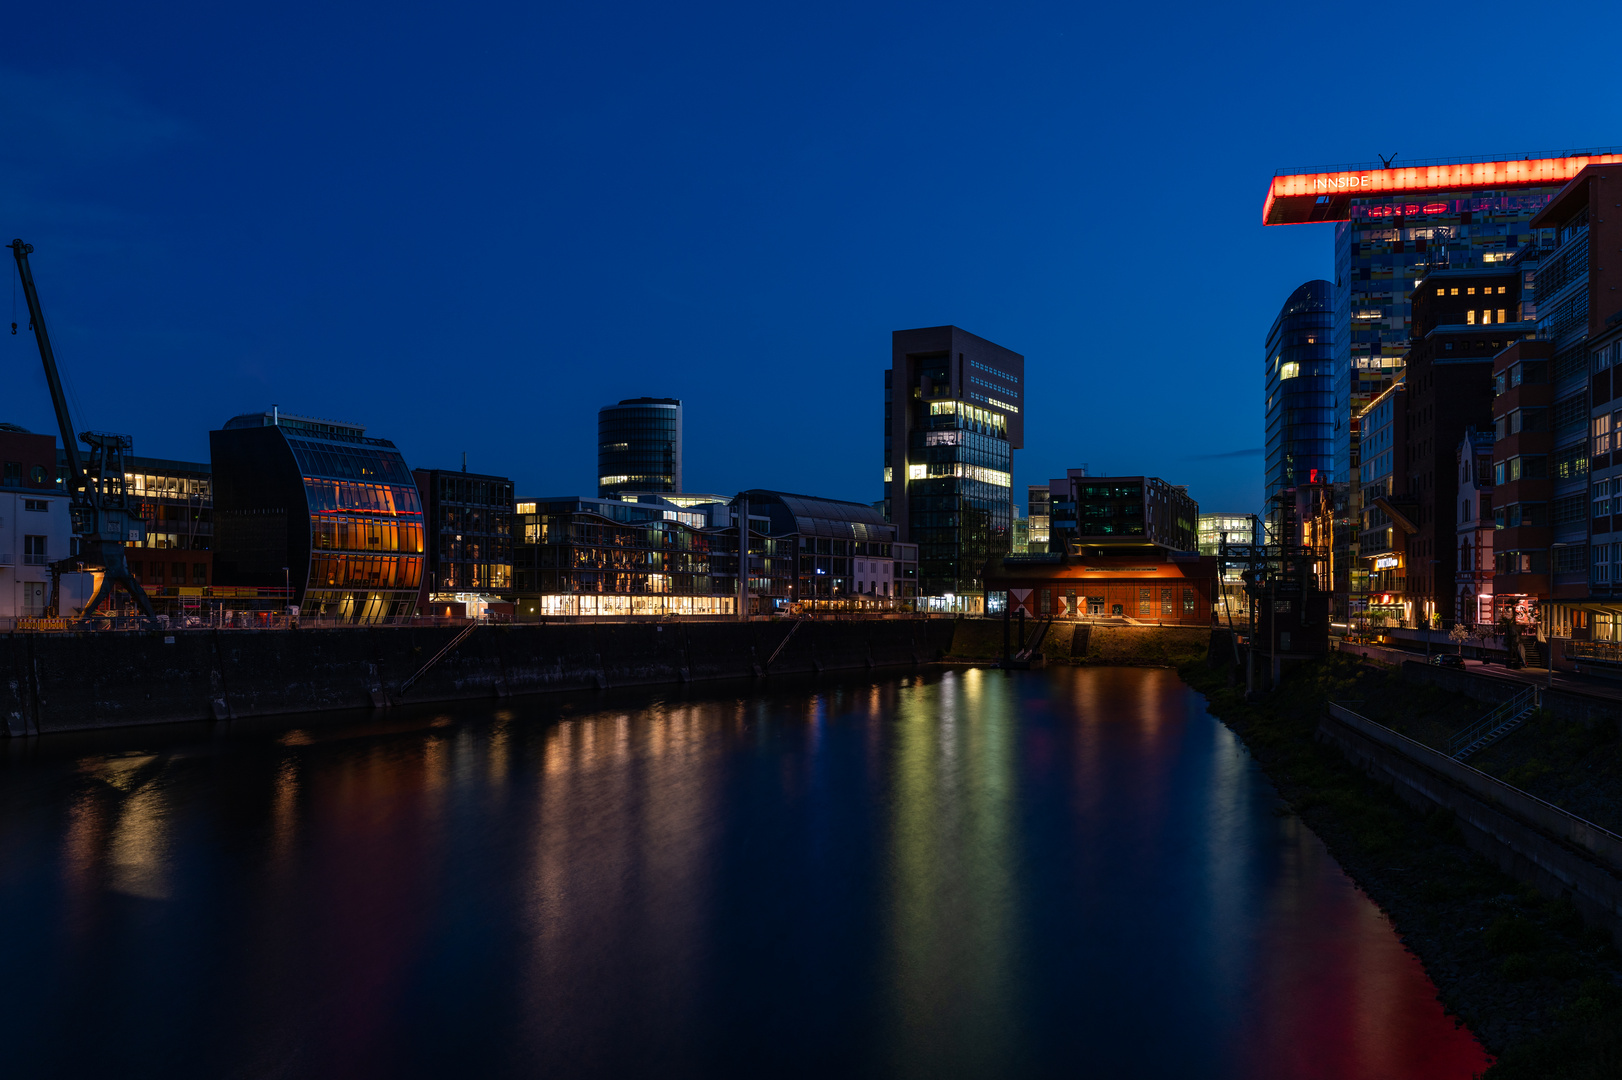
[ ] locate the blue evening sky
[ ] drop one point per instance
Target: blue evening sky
(469, 225)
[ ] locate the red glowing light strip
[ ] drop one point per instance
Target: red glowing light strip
(1429, 178)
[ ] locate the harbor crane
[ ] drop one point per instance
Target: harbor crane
(102, 517)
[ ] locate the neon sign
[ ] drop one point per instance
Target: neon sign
(1304, 197)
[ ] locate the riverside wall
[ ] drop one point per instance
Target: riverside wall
(77, 682)
(1527, 838)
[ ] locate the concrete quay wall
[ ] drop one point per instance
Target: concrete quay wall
(1527, 838)
(78, 682)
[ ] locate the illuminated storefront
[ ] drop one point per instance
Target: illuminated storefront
(318, 505)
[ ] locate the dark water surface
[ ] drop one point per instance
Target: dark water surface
(971, 873)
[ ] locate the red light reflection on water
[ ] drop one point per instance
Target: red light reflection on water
(1337, 995)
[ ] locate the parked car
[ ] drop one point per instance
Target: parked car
(1448, 659)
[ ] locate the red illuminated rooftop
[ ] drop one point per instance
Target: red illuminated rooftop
(1298, 197)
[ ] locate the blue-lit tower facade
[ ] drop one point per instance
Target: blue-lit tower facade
(1300, 396)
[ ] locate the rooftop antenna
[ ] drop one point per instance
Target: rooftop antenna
(464, 461)
(1385, 161)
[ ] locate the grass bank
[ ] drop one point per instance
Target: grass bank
(1540, 989)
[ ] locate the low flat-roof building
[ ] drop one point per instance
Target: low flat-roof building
(1143, 584)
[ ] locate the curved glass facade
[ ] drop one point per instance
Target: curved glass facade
(1300, 404)
(321, 506)
(639, 446)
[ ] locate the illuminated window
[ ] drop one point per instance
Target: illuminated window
(1290, 370)
(1486, 317)
(1500, 314)
(1441, 292)
(1470, 291)
(1470, 317)
(1455, 292)
(917, 472)
(525, 508)
(1501, 290)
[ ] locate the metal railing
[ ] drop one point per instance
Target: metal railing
(1482, 729)
(1604, 652)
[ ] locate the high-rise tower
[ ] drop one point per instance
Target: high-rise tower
(953, 416)
(639, 446)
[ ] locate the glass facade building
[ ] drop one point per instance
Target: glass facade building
(1394, 223)
(577, 556)
(953, 416)
(1299, 410)
(639, 446)
(319, 505)
(1386, 245)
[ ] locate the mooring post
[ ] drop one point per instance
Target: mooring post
(1006, 655)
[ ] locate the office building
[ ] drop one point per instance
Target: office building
(1394, 224)
(1387, 508)
(173, 561)
(1474, 540)
(468, 536)
(953, 416)
(1037, 500)
(1299, 407)
(320, 509)
(1100, 511)
(639, 445)
(1216, 529)
(1462, 319)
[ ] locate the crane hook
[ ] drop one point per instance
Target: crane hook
(14, 329)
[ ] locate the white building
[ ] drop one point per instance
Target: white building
(35, 531)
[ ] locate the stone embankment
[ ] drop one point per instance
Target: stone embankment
(76, 682)
(1081, 643)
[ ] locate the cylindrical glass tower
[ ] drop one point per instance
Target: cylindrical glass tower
(1299, 410)
(639, 446)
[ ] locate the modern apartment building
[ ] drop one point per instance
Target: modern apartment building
(1298, 374)
(954, 410)
(1394, 223)
(468, 536)
(639, 446)
(575, 556)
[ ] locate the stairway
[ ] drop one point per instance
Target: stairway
(1495, 725)
(1034, 645)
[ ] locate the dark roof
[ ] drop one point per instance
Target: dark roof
(815, 516)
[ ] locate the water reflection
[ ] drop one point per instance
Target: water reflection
(964, 874)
